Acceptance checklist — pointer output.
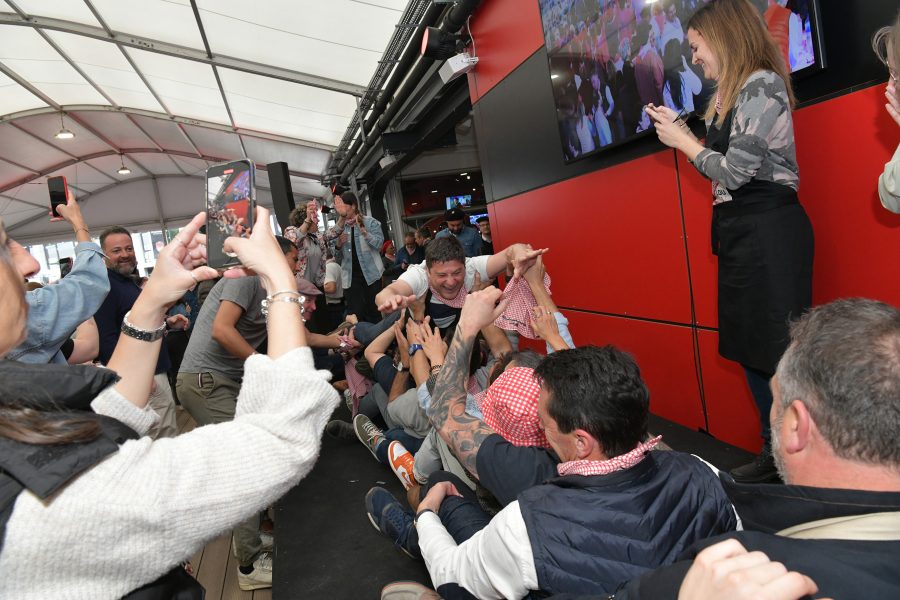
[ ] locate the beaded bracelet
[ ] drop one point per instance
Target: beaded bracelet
(298, 300)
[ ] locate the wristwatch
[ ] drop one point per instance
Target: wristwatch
(413, 348)
(145, 335)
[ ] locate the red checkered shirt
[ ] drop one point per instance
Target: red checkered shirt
(517, 316)
(605, 467)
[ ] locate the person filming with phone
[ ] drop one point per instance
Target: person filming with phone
(116, 511)
(55, 311)
(760, 231)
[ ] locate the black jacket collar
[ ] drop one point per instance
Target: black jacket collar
(771, 507)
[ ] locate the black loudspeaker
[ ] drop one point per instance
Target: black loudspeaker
(282, 196)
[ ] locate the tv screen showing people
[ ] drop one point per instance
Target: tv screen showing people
(458, 201)
(610, 58)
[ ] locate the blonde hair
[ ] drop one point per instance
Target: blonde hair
(885, 42)
(736, 34)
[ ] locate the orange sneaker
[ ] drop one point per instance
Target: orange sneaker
(401, 461)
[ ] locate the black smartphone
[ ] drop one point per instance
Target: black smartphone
(230, 204)
(57, 187)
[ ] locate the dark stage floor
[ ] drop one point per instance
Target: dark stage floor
(327, 548)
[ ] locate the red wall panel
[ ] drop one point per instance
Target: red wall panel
(614, 235)
(842, 145)
(732, 413)
(664, 354)
(506, 32)
(696, 198)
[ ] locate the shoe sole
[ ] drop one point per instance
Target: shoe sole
(250, 588)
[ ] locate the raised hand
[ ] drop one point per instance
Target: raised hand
(482, 308)
(477, 284)
(260, 254)
(535, 274)
(179, 266)
(523, 257)
(433, 345)
(544, 323)
(396, 302)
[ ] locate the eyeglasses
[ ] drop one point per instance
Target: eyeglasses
(893, 74)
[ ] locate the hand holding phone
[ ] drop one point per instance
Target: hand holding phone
(59, 191)
(230, 203)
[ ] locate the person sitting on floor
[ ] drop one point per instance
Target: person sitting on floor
(615, 510)
(447, 276)
(834, 436)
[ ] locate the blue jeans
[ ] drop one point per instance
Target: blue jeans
(758, 382)
(365, 332)
(409, 442)
(463, 516)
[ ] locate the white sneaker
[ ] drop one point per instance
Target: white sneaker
(261, 575)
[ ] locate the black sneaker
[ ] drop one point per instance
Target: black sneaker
(341, 430)
(761, 470)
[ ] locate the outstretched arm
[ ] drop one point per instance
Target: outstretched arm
(447, 411)
(518, 256)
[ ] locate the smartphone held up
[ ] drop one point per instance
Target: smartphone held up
(230, 204)
(58, 194)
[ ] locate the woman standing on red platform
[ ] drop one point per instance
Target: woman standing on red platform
(760, 232)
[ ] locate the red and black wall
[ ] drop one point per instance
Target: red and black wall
(628, 229)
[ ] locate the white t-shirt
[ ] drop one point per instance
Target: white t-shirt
(333, 274)
(416, 276)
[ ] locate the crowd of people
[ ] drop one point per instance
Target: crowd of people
(609, 59)
(526, 474)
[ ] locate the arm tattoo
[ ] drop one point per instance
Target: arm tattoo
(447, 411)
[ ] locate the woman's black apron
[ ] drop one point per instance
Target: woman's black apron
(764, 243)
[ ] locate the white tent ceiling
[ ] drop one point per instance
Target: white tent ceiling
(170, 87)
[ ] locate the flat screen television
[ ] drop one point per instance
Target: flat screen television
(459, 201)
(610, 58)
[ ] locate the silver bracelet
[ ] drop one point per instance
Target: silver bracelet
(268, 300)
(145, 335)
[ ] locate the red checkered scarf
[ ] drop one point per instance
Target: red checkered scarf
(509, 407)
(605, 467)
(358, 385)
(455, 302)
(517, 316)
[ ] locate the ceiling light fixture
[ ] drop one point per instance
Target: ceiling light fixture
(63, 133)
(123, 170)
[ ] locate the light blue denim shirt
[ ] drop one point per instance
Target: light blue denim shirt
(468, 237)
(562, 324)
(369, 248)
(54, 311)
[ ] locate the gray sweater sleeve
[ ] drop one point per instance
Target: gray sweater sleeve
(761, 142)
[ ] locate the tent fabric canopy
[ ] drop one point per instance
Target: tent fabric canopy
(168, 87)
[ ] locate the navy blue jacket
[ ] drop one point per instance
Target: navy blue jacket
(123, 291)
(841, 568)
(593, 534)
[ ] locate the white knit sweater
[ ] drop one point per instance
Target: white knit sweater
(152, 504)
